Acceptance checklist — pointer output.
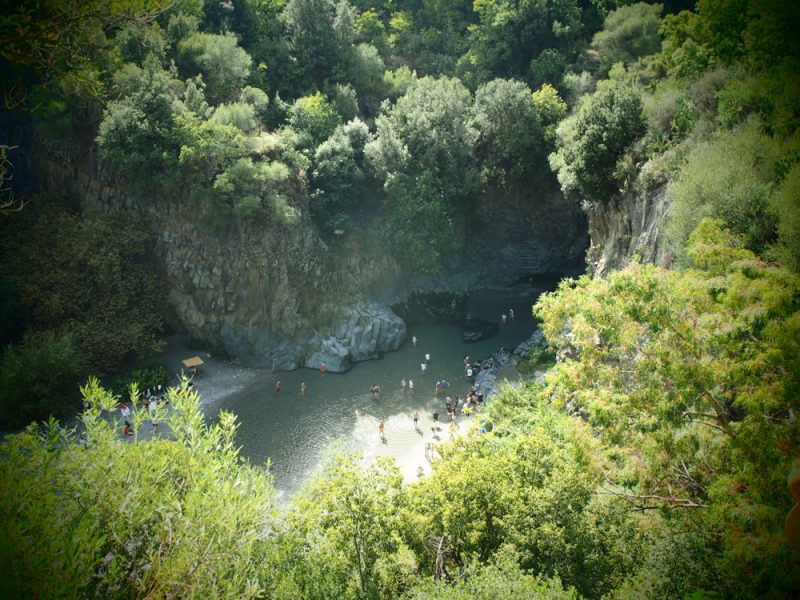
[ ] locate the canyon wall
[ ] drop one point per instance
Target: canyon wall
(278, 295)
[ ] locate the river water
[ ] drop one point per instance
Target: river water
(338, 412)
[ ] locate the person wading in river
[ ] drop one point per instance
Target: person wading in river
(381, 428)
(376, 392)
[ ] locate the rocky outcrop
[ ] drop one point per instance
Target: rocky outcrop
(270, 293)
(476, 330)
(366, 331)
(627, 227)
(536, 341)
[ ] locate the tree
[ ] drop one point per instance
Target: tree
(529, 484)
(499, 579)
(219, 59)
(93, 278)
(239, 114)
(338, 175)
(511, 123)
(366, 76)
(511, 36)
(353, 514)
(697, 371)
(248, 186)
(592, 142)
(423, 153)
(785, 203)
(136, 41)
(711, 35)
(39, 377)
(629, 33)
(729, 177)
(207, 148)
(56, 41)
(135, 133)
(314, 118)
(97, 516)
(321, 34)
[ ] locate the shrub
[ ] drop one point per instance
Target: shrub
(39, 377)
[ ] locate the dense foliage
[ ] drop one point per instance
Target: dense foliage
(90, 514)
(86, 295)
(652, 460)
(690, 378)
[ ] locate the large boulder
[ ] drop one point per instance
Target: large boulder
(259, 347)
(334, 354)
(371, 329)
(486, 379)
(366, 331)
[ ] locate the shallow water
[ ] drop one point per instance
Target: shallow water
(294, 431)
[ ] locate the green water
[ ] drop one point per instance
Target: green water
(294, 431)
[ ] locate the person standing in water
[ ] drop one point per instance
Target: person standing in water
(416, 420)
(381, 428)
(376, 391)
(303, 389)
(278, 387)
(410, 386)
(403, 384)
(414, 341)
(322, 369)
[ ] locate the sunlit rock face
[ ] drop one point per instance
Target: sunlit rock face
(366, 331)
(627, 228)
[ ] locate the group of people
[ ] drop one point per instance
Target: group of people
(423, 366)
(466, 405)
(150, 402)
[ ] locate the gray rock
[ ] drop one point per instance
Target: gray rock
(365, 332)
(502, 358)
(334, 364)
(486, 379)
(536, 340)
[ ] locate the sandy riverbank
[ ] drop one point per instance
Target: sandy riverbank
(218, 379)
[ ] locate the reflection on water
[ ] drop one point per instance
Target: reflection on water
(293, 430)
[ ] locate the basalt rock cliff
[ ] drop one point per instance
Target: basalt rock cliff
(628, 227)
(279, 296)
